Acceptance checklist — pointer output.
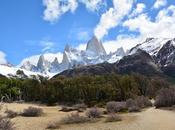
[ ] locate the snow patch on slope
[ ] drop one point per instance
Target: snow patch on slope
(11, 71)
(151, 45)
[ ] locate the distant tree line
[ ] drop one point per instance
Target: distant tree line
(88, 89)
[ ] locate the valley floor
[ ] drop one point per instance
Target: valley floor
(148, 119)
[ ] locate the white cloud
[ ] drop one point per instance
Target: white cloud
(163, 26)
(125, 41)
(81, 46)
(56, 8)
(159, 3)
(84, 35)
(113, 17)
(80, 34)
(47, 45)
(139, 9)
(94, 5)
(2, 58)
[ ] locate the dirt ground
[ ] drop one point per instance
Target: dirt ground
(149, 119)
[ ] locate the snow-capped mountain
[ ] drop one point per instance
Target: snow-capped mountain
(116, 56)
(15, 72)
(151, 45)
(162, 50)
(95, 47)
(94, 54)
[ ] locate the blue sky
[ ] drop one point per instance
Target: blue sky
(27, 28)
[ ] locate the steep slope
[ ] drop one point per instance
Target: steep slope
(163, 52)
(140, 62)
(151, 45)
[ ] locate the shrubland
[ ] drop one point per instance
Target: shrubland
(91, 90)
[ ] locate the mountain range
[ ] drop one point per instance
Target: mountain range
(154, 55)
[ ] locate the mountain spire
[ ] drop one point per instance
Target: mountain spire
(95, 46)
(67, 48)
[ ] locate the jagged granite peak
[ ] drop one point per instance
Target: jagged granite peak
(43, 64)
(117, 55)
(55, 61)
(149, 39)
(65, 58)
(95, 47)
(28, 66)
(67, 48)
(65, 64)
(55, 66)
(120, 52)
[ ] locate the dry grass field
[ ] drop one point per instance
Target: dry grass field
(148, 119)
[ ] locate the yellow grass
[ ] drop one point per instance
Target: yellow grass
(149, 119)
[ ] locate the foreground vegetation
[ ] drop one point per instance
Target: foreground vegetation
(92, 90)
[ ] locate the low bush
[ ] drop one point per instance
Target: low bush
(134, 109)
(80, 107)
(74, 118)
(32, 112)
(94, 112)
(130, 103)
(165, 98)
(6, 124)
(112, 117)
(116, 106)
(67, 109)
(53, 125)
(143, 102)
(11, 114)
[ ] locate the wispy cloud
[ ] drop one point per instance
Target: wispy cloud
(80, 34)
(2, 58)
(47, 45)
